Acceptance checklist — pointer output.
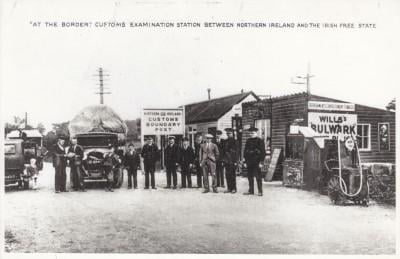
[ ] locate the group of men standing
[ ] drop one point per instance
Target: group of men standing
(214, 158)
(208, 158)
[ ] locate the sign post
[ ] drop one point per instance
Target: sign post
(162, 122)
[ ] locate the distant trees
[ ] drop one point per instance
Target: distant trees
(17, 124)
(133, 129)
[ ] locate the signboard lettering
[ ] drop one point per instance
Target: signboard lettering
(333, 124)
(331, 106)
(162, 122)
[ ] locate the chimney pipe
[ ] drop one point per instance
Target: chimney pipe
(209, 93)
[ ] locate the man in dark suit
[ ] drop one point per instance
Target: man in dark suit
(209, 154)
(186, 162)
(75, 155)
(150, 155)
(132, 161)
(220, 163)
(60, 164)
(171, 159)
(254, 154)
(230, 158)
(199, 170)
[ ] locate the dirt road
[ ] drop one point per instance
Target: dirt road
(284, 220)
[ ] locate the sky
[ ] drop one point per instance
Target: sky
(50, 72)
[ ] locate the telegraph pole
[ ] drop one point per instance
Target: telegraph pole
(307, 80)
(101, 92)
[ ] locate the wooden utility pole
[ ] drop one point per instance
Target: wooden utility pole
(101, 92)
(306, 82)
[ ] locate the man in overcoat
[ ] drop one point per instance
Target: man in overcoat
(75, 154)
(186, 162)
(254, 154)
(132, 162)
(220, 163)
(60, 164)
(150, 155)
(199, 170)
(171, 159)
(230, 158)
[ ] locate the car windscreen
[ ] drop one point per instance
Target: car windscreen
(97, 141)
(9, 149)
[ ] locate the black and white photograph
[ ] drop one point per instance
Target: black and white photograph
(199, 128)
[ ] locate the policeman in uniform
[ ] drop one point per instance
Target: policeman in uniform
(60, 164)
(186, 162)
(230, 158)
(209, 154)
(220, 164)
(171, 158)
(199, 170)
(150, 155)
(254, 153)
(75, 154)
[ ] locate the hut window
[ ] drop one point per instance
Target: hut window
(364, 137)
(9, 149)
(264, 131)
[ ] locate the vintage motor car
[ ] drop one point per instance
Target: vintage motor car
(14, 161)
(17, 154)
(95, 146)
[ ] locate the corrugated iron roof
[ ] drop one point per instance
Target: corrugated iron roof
(212, 110)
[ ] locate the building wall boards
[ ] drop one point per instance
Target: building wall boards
(370, 123)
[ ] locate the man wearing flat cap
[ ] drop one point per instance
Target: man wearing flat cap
(171, 158)
(230, 158)
(219, 170)
(60, 164)
(254, 153)
(209, 154)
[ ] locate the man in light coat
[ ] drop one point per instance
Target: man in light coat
(209, 154)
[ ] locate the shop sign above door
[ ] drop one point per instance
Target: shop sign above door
(331, 106)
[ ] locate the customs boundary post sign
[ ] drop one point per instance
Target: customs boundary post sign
(161, 122)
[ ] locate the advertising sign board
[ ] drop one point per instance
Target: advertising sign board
(333, 124)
